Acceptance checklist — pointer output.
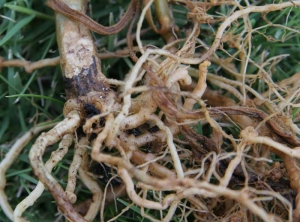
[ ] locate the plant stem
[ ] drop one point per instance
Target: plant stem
(79, 62)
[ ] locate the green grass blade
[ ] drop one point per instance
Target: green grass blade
(28, 178)
(28, 11)
(36, 96)
(15, 173)
(4, 126)
(295, 112)
(134, 208)
(16, 28)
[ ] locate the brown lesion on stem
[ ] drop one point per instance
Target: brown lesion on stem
(79, 62)
(84, 84)
(88, 80)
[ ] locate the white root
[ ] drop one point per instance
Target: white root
(200, 87)
(250, 136)
(201, 188)
(229, 20)
(80, 150)
(136, 198)
(232, 165)
(93, 187)
(182, 75)
(173, 151)
(56, 156)
(139, 25)
(67, 126)
(8, 161)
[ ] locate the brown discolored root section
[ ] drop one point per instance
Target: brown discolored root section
(87, 80)
(79, 62)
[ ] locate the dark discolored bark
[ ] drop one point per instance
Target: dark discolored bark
(86, 81)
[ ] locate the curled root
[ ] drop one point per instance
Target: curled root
(36, 153)
(56, 156)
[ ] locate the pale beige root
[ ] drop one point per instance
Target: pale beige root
(228, 21)
(200, 87)
(173, 207)
(31, 66)
(229, 82)
(233, 164)
(111, 193)
(200, 188)
(227, 87)
(250, 135)
(156, 169)
(172, 148)
(56, 156)
(141, 108)
(182, 75)
(80, 150)
(140, 158)
(290, 86)
(93, 186)
(293, 169)
(127, 100)
(67, 126)
(97, 144)
(179, 77)
(165, 18)
(135, 197)
(139, 25)
(139, 118)
(8, 160)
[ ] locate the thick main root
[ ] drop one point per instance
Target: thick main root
(147, 135)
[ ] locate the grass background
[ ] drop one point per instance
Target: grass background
(27, 31)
